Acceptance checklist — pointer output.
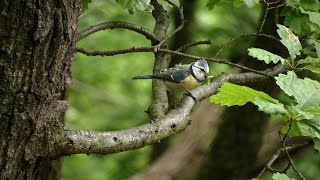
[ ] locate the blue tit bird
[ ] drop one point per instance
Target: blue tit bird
(182, 77)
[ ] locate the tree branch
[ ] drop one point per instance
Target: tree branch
(152, 49)
(89, 52)
(276, 157)
(74, 142)
(285, 149)
(268, 7)
(159, 104)
(118, 24)
(283, 142)
(196, 43)
(182, 21)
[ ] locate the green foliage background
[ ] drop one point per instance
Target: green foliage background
(103, 97)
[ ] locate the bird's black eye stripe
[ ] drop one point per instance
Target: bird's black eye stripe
(200, 68)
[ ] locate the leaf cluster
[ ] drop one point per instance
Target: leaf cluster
(302, 117)
(302, 16)
(135, 5)
(237, 3)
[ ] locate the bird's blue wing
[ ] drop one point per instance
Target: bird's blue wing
(173, 75)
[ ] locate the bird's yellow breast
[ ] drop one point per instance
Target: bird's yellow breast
(187, 84)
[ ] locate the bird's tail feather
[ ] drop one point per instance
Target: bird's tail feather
(143, 77)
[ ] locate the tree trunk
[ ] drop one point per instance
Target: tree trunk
(37, 40)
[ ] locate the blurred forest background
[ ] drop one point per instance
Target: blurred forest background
(103, 96)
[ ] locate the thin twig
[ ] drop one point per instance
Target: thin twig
(152, 49)
(276, 2)
(269, 6)
(277, 6)
(264, 16)
(283, 139)
(286, 150)
(292, 164)
(258, 33)
(181, 48)
(117, 24)
(181, 17)
(277, 155)
(240, 36)
(283, 142)
(89, 52)
(270, 163)
(170, 35)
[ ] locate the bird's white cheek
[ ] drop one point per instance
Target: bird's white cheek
(199, 74)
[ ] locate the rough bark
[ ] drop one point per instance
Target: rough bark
(37, 39)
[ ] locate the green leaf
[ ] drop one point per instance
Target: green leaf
(266, 56)
(123, 3)
(135, 5)
(306, 91)
(141, 4)
(313, 69)
(311, 5)
(294, 129)
(269, 107)
(310, 115)
(315, 130)
(280, 176)
(238, 3)
(232, 94)
(299, 128)
(308, 129)
(309, 60)
(211, 3)
(251, 3)
(298, 22)
(310, 64)
(292, 3)
(85, 4)
(314, 16)
(317, 46)
(316, 144)
(289, 40)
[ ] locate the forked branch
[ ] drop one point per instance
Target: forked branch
(74, 142)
